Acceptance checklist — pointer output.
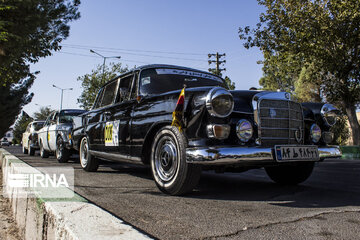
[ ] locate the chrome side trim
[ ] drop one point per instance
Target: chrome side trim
(115, 157)
(237, 155)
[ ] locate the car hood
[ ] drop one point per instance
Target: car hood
(243, 100)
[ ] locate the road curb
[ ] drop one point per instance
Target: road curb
(75, 218)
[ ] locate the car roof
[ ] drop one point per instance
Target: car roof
(149, 66)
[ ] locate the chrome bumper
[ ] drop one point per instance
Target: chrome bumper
(238, 155)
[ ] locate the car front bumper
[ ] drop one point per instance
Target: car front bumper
(228, 155)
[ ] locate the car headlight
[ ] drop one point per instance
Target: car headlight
(244, 130)
(329, 113)
(315, 133)
(219, 102)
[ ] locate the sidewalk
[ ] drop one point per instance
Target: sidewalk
(8, 229)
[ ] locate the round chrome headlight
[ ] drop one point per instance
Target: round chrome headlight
(315, 133)
(219, 102)
(329, 113)
(244, 130)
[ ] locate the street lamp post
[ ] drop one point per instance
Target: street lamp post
(62, 91)
(103, 69)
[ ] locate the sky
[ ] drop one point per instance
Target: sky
(148, 32)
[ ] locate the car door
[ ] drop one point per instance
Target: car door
(97, 117)
(117, 121)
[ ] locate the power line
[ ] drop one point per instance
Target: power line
(132, 50)
(86, 55)
(143, 55)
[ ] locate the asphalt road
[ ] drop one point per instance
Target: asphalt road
(227, 206)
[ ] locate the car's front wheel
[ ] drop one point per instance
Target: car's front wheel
(31, 150)
(61, 152)
(172, 174)
(290, 174)
(43, 152)
(87, 161)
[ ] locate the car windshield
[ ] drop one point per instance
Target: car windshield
(67, 115)
(38, 125)
(161, 80)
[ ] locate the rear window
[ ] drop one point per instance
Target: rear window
(161, 80)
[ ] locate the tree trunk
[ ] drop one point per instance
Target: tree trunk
(354, 124)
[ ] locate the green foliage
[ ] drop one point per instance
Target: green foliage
(12, 99)
(29, 30)
(341, 131)
(307, 87)
(20, 127)
(325, 33)
(91, 83)
(43, 113)
(229, 83)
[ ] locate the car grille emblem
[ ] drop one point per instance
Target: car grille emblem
(272, 113)
(298, 135)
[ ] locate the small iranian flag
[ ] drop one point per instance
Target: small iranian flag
(179, 111)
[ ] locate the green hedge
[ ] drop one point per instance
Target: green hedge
(349, 152)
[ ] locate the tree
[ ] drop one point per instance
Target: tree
(29, 30)
(91, 83)
(20, 127)
(43, 113)
(321, 32)
(12, 98)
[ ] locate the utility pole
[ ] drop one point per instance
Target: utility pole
(218, 62)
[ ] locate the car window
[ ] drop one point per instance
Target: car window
(98, 99)
(109, 93)
(38, 125)
(134, 87)
(161, 80)
(54, 118)
(124, 88)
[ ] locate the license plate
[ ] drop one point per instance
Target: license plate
(296, 153)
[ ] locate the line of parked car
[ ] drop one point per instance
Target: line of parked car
(131, 120)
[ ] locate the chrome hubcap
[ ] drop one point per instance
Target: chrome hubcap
(84, 153)
(166, 159)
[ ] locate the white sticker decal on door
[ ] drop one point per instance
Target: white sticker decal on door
(111, 133)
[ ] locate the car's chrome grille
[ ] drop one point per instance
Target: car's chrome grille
(280, 122)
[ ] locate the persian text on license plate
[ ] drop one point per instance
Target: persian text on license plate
(296, 153)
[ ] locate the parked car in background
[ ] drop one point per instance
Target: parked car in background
(30, 138)
(4, 142)
(147, 116)
(55, 135)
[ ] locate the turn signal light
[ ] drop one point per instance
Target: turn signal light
(219, 131)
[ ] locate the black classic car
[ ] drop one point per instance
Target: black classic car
(181, 121)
